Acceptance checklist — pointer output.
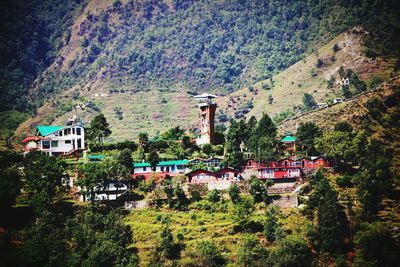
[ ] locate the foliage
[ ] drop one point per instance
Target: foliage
(332, 224)
(99, 129)
(281, 116)
(234, 193)
(100, 240)
(291, 251)
(10, 179)
(125, 159)
(271, 225)
(377, 246)
(258, 190)
(308, 101)
(250, 252)
(214, 196)
(243, 210)
(44, 180)
(306, 134)
(207, 255)
(153, 158)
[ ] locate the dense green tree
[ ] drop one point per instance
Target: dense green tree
(234, 193)
(250, 253)
(258, 189)
(331, 227)
(99, 129)
(262, 138)
(306, 134)
(343, 126)
(46, 243)
(143, 141)
(207, 149)
(243, 210)
(308, 101)
(271, 225)
(125, 159)
(100, 240)
(377, 246)
(10, 185)
(153, 158)
(207, 255)
(214, 196)
(45, 179)
(235, 138)
(291, 251)
(173, 134)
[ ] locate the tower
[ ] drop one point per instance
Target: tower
(207, 117)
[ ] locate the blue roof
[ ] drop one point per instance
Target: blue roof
(162, 163)
(46, 130)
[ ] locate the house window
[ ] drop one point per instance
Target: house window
(179, 167)
(61, 133)
(162, 168)
(65, 132)
(144, 169)
(46, 144)
(78, 131)
(73, 130)
(54, 143)
(68, 141)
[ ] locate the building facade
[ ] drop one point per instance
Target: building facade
(56, 140)
(164, 169)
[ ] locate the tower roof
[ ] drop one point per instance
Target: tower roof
(205, 96)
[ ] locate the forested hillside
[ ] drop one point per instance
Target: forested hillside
(158, 48)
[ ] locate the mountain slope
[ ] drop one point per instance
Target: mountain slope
(288, 87)
(121, 52)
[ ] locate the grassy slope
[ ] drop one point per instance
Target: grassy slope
(291, 84)
(217, 226)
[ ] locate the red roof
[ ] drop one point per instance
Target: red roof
(31, 138)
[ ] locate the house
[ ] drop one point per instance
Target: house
(337, 100)
(108, 191)
(164, 169)
(321, 104)
(206, 176)
(290, 142)
(228, 174)
(57, 140)
(314, 163)
(284, 173)
(200, 176)
(252, 163)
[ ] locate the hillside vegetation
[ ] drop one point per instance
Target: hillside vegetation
(117, 49)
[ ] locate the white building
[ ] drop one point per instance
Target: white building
(57, 140)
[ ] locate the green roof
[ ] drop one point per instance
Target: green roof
(162, 163)
(289, 138)
(46, 130)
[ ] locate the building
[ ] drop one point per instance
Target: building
(164, 169)
(252, 163)
(286, 173)
(57, 140)
(207, 118)
(290, 142)
(108, 191)
(206, 176)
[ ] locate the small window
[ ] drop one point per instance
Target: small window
(144, 169)
(68, 141)
(162, 168)
(73, 130)
(78, 131)
(61, 133)
(65, 132)
(54, 143)
(46, 144)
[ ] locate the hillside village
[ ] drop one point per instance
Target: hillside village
(200, 133)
